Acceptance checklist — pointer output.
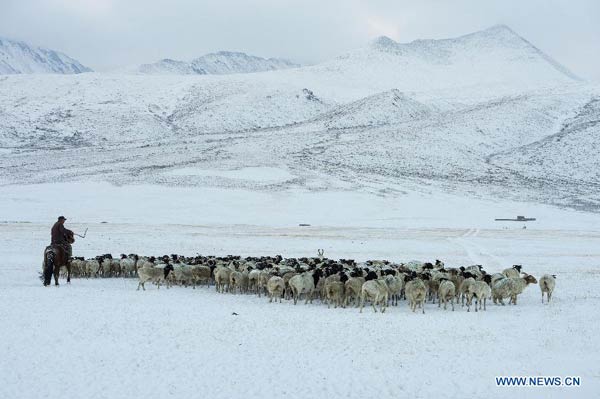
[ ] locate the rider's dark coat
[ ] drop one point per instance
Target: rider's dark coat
(59, 234)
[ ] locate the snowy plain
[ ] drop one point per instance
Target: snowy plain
(100, 338)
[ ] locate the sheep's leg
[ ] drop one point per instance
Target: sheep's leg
(549, 296)
(452, 303)
(423, 306)
(373, 302)
(362, 302)
(484, 301)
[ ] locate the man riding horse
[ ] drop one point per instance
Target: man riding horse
(59, 252)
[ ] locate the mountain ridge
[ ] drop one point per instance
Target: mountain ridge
(216, 63)
(19, 57)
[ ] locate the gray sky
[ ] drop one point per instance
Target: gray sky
(107, 33)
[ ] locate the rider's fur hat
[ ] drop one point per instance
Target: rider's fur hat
(62, 218)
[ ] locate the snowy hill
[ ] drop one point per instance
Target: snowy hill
(220, 63)
(17, 57)
(495, 56)
(484, 114)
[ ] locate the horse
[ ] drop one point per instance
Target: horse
(55, 257)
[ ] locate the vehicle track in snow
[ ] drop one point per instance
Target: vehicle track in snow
(475, 252)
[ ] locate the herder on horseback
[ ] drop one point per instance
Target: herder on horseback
(59, 252)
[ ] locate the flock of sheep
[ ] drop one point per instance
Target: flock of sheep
(339, 283)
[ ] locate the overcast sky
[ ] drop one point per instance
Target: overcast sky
(108, 33)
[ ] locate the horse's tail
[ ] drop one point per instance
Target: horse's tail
(49, 256)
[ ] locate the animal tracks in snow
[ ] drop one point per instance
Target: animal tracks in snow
(475, 252)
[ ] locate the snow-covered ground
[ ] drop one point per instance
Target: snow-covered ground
(102, 338)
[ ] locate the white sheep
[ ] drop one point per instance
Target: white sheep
(395, 285)
(334, 291)
(547, 284)
(275, 287)
(253, 280)
(303, 283)
(352, 290)
(236, 282)
(377, 292)
(263, 278)
(446, 292)
(464, 288)
(201, 274)
(153, 274)
(127, 266)
(416, 292)
(510, 287)
(222, 274)
(481, 291)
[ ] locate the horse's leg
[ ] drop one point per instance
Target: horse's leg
(56, 274)
(48, 266)
(60, 260)
(68, 272)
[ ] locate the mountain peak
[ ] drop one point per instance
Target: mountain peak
(383, 41)
(18, 57)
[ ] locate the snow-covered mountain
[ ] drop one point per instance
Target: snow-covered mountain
(17, 57)
(486, 113)
(220, 63)
(495, 56)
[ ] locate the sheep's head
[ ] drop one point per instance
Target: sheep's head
(487, 278)
(371, 276)
(554, 276)
(529, 279)
(518, 268)
(343, 277)
(167, 269)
